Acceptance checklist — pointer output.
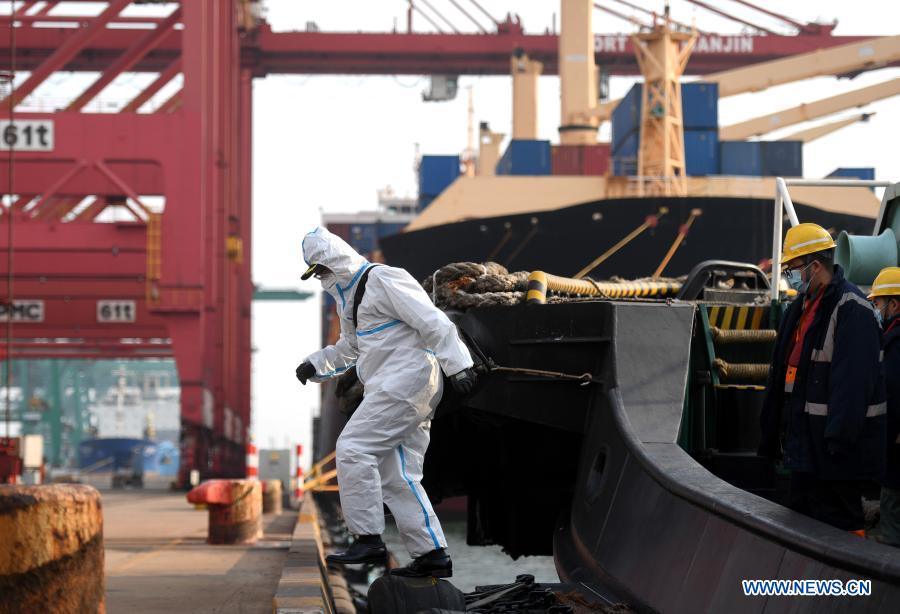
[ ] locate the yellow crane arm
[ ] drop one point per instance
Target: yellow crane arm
(812, 110)
(839, 60)
(853, 57)
(817, 132)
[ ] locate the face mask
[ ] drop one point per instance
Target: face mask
(329, 280)
(794, 278)
(883, 313)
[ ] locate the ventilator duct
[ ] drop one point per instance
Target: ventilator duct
(863, 257)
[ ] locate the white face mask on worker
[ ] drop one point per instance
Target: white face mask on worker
(329, 280)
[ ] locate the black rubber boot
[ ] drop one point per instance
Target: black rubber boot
(366, 549)
(436, 563)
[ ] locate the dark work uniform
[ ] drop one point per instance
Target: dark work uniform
(890, 491)
(832, 401)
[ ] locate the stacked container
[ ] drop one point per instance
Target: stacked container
(525, 157)
(625, 158)
(580, 159)
(700, 113)
(762, 158)
(742, 158)
(782, 158)
(435, 174)
(626, 117)
(867, 173)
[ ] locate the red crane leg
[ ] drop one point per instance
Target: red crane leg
(204, 336)
(245, 216)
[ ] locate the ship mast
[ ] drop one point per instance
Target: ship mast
(577, 74)
(525, 74)
(468, 157)
(662, 56)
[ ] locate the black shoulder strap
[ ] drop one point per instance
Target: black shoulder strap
(360, 290)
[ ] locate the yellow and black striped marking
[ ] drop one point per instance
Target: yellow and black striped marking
(537, 288)
(733, 317)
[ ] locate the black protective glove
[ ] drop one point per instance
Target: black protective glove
(346, 382)
(464, 381)
(305, 371)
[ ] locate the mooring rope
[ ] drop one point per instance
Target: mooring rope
(464, 285)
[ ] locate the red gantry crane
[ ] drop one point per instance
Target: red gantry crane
(174, 279)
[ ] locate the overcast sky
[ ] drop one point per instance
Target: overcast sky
(328, 143)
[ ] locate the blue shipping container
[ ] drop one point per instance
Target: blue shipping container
(436, 173)
(701, 152)
(525, 158)
(740, 158)
(700, 105)
(782, 158)
(624, 161)
(626, 117)
(867, 173)
(699, 109)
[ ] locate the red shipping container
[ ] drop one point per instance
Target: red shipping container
(580, 159)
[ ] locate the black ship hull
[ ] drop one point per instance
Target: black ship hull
(599, 476)
(563, 241)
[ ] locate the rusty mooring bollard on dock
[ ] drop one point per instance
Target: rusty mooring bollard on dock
(51, 549)
(235, 510)
(271, 497)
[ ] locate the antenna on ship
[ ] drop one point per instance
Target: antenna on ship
(468, 157)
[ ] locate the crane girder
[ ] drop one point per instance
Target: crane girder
(811, 110)
(817, 132)
(843, 59)
(840, 60)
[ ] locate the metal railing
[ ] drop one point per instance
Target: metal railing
(321, 480)
(784, 204)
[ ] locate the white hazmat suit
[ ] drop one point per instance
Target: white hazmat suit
(399, 348)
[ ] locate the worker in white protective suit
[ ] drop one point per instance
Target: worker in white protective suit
(400, 345)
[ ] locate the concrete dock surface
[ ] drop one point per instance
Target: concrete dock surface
(157, 559)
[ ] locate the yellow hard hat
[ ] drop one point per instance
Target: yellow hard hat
(805, 239)
(887, 283)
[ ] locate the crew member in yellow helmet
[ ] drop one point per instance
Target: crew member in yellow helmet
(825, 394)
(885, 296)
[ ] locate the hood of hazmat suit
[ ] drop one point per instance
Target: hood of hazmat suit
(400, 347)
